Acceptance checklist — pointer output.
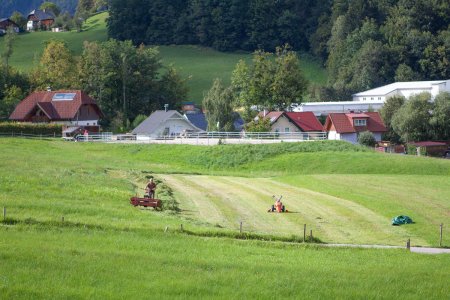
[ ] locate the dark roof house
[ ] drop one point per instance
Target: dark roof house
(66, 106)
(165, 123)
(40, 18)
(6, 22)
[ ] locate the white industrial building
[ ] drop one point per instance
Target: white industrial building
(373, 100)
(325, 108)
(405, 89)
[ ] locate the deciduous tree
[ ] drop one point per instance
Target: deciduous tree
(218, 105)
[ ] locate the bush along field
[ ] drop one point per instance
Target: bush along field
(70, 231)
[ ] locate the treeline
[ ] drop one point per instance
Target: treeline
(419, 118)
(223, 25)
(366, 44)
(363, 44)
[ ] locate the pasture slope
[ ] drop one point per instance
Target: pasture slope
(201, 65)
(105, 248)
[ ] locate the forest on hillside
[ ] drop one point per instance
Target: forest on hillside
(363, 44)
(7, 7)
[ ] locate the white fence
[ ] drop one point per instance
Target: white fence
(214, 138)
(203, 138)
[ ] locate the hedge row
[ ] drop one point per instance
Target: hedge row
(30, 128)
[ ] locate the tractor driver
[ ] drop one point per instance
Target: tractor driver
(278, 205)
(150, 188)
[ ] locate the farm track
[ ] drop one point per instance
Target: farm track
(225, 201)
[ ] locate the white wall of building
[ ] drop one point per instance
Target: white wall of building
(325, 108)
(284, 125)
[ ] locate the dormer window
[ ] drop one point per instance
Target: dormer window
(360, 122)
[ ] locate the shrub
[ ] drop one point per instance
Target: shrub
(366, 138)
(30, 128)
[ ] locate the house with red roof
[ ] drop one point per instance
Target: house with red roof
(68, 107)
(293, 121)
(347, 126)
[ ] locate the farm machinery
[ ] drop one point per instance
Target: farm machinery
(278, 206)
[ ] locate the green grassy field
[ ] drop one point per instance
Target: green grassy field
(107, 248)
(201, 65)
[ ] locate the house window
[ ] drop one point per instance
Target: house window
(371, 98)
(286, 129)
(379, 98)
(364, 98)
(360, 122)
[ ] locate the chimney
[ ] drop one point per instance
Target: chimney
(49, 89)
(166, 107)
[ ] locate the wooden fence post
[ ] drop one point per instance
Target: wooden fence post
(62, 219)
(4, 212)
(181, 227)
(240, 227)
(408, 244)
(311, 236)
(440, 234)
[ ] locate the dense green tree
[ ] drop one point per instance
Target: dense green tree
(19, 19)
(289, 85)
(13, 85)
(412, 121)
(440, 121)
(56, 68)
(128, 79)
(9, 39)
(50, 7)
(258, 125)
(218, 105)
(387, 112)
(271, 81)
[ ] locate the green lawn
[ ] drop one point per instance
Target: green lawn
(201, 65)
(105, 248)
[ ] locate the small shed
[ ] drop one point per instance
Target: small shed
(429, 148)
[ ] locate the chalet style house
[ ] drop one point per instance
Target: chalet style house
(69, 107)
(6, 23)
(40, 19)
(346, 127)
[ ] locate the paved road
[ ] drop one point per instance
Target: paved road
(422, 250)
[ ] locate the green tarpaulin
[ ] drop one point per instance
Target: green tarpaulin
(399, 220)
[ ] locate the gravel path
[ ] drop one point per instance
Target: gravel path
(422, 250)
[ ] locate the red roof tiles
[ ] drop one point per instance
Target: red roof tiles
(343, 123)
(55, 110)
(306, 121)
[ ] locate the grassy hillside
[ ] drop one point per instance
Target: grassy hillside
(107, 248)
(201, 65)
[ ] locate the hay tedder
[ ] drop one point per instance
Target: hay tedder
(146, 201)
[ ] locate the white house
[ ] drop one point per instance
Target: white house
(164, 123)
(346, 127)
(405, 89)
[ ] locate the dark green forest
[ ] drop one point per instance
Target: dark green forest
(7, 7)
(363, 44)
